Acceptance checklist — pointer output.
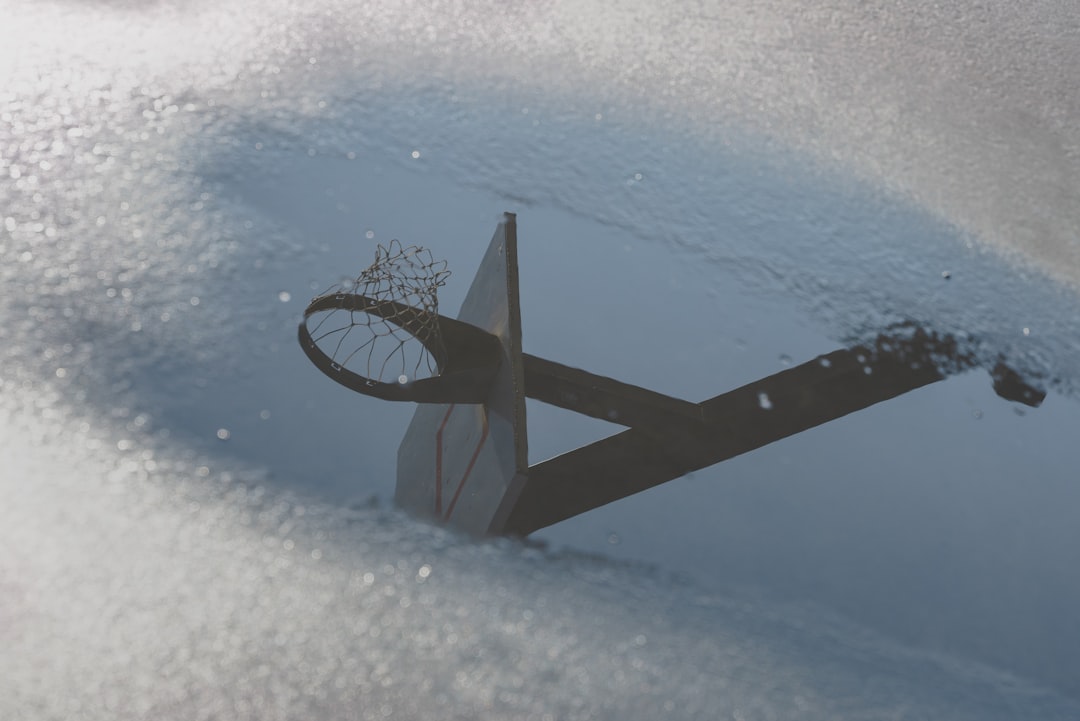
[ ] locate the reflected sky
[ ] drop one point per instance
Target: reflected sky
(176, 177)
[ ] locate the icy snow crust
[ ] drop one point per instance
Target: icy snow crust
(846, 156)
(148, 585)
(149, 577)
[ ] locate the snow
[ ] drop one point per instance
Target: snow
(142, 586)
(185, 513)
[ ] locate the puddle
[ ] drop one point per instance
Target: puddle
(938, 514)
(169, 209)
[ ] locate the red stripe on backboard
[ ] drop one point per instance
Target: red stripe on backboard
(438, 461)
(468, 470)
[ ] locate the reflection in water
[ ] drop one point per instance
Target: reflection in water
(483, 452)
(114, 116)
(666, 440)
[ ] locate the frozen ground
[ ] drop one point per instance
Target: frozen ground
(179, 177)
(142, 587)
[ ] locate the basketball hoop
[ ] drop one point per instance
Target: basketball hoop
(381, 334)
